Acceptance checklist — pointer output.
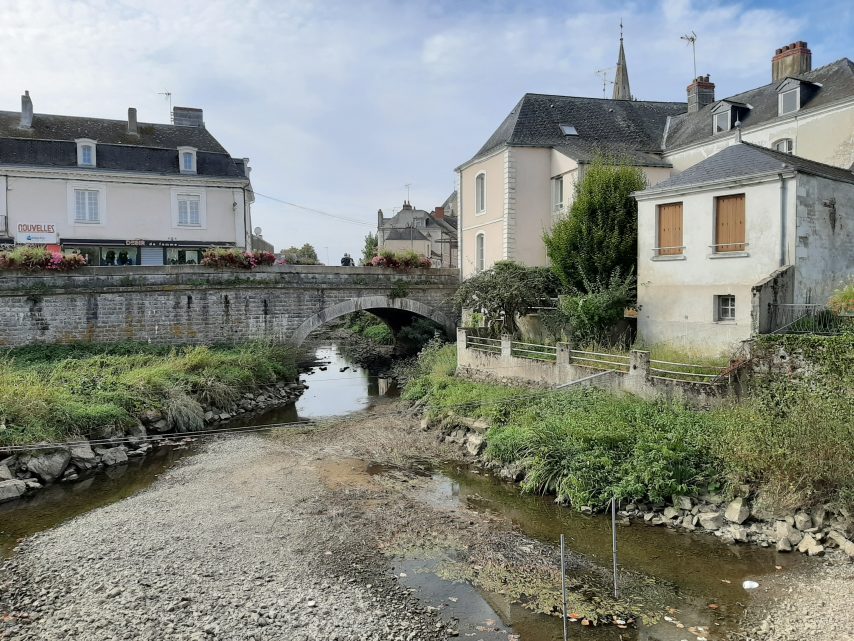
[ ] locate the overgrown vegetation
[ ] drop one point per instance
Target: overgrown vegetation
(842, 301)
(305, 255)
(52, 393)
(403, 260)
(231, 258)
(791, 440)
(370, 248)
(371, 327)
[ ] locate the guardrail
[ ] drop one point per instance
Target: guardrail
(534, 351)
(600, 360)
(684, 372)
(483, 344)
(789, 318)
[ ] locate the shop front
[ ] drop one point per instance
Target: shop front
(121, 253)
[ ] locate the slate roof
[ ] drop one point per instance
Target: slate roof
(624, 127)
(744, 160)
(405, 233)
(836, 80)
(50, 142)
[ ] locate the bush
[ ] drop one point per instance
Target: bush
(231, 258)
(379, 333)
(399, 260)
(842, 301)
(32, 259)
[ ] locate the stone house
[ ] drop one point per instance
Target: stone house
(725, 245)
(121, 192)
(431, 234)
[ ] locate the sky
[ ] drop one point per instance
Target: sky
(339, 104)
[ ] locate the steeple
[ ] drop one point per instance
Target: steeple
(621, 79)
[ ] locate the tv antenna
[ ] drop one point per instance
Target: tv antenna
(408, 189)
(605, 81)
(168, 95)
(692, 39)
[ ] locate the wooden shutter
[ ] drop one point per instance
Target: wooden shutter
(729, 223)
(670, 229)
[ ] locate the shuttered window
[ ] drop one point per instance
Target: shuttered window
(729, 224)
(669, 230)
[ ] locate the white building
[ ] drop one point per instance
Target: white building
(723, 245)
(431, 234)
(120, 191)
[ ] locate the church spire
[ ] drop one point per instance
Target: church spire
(621, 80)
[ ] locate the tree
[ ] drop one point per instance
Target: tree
(597, 240)
(305, 255)
(370, 249)
(505, 291)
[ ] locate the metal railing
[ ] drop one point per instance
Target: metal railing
(600, 360)
(736, 247)
(789, 318)
(685, 372)
(676, 250)
(534, 351)
(483, 344)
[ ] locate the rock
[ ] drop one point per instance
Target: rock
(35, 485)
(803, 521)
(150, 417)
(50, 465)
(475, 444)
(586, 509)
(739, 533)
(224, 416)
(687, 522)
(114, 456)
(160, 426)
(670, 513)
(783, 545)
(82, 456)
(209, 417)
(425, 424)
(810, 546)
(819, 514)
(682, 502)
(711, 520)
(137, 431)
(844, 544)
(6, 473)
(737, 511)
(10, 490)
(783, 530)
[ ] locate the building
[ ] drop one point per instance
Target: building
(723, 245)
(122, 192)
(431, 234)
(523, 177)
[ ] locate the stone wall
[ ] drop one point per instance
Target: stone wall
(192, 304)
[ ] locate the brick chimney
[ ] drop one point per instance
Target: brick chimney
(380, 219)
(406, 206)
(132, 126)
(439, 213)
(701, 92)
(791, 60)
(26, 111)
(187, 117)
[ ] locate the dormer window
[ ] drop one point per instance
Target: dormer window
(722, 121)
(85, 152)
(568, 130)
(794, 93)
(785, 145)
(187, 160)
(727, 114)
(790, 101)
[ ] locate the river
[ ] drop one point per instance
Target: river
(697, 569)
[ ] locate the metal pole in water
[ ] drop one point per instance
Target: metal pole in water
(563, 582)
(614, 539)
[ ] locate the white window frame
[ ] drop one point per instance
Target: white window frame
(480, 193)
(176, 192)
(724, 311)
(71, 196)
(181, 154)
(558, 202)
(797, 92)
(728, 115)
(479, 252)
(790, 145)
(86, 142)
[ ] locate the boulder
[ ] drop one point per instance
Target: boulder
(10, 490)
(160, 426)
(6, 473)
(844, 544)
(82, 456)
(209, 416)
(737, 511)
(711, 520)
(114, 456)
(137, 431)
(739, 533)
(475, 444)
(49, 465)
(803, 521)
(682, 502)
(783, 545)
(687, 522)
(151, 416)
(810, 546)
(425, 424)
(670, 513)
(224, 416)
(783, 530)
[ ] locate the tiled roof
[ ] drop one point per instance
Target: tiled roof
(836, 80)
(628, 126)
(744, 160)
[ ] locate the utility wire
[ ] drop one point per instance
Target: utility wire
(316, 211)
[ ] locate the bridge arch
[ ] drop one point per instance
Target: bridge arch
(369, 304)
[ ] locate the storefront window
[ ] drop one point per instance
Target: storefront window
(183, 256)
(92, 254)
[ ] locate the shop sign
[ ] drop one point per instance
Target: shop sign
(36, 234)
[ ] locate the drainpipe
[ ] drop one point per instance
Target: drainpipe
(782, 219)
(4, 228)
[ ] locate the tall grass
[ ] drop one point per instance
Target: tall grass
(50, 393)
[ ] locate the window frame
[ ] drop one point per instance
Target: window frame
(791, 145)
(479, 252)
(674, 252)
(781, 99)
(558, 202)
(725, 303)
(201, 194)
(182, 152)
(83, 143)
(72, 188)
(480, 193)
(728, 115)
(716, 246)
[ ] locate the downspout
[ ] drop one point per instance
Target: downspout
(783, 218)
(5, 228)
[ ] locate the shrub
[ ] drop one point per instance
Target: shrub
(32, 259)
(842, 301)
(399, 260)
(379, 333)
(231, 258)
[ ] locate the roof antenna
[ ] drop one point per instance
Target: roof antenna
(605, 81)
(693, 40)
(168, 95)
(408, 189)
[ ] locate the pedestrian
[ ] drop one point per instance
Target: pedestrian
(347, 261)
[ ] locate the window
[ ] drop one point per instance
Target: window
(725, 308)
(722, 121)
(729, 224)
(669, 230)
(188, 210)
(790, 101)
(568, 130)
(85, 152)
(480, 193)
(557, 193)
(478, 254)
(86, 206)
(785, 145)
(187, 160)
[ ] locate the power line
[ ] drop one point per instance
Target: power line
(315, 211)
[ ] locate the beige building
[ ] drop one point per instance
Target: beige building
(523, 177)
(430, 234)
(121, 192)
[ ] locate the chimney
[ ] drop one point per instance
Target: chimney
(26, 111)
(132, 128)
(406, 205)
(791, 60)
(439, 213)
(187, 117)
(701, 92)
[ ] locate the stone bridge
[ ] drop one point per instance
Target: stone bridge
(192, 304)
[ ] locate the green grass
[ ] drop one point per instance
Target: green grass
(51, 393)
